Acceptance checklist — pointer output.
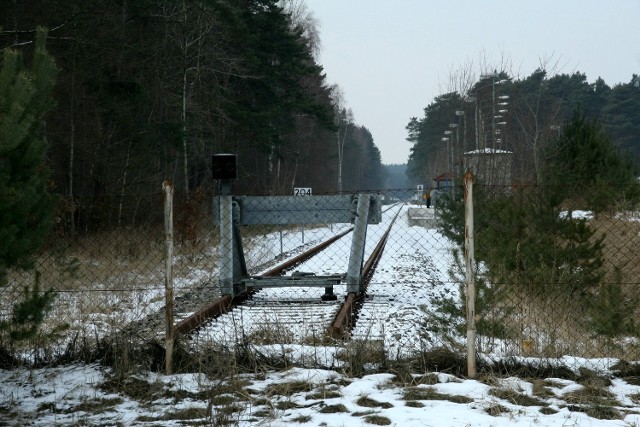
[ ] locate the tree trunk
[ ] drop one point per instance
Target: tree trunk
(72, 144)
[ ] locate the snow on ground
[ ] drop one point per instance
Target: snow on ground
(412, 277)
(295, 314)
(83, 395)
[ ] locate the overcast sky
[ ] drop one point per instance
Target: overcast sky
(392, 58)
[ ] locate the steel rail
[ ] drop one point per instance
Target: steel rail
(225, 303)
(345, 318)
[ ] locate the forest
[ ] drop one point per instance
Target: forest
(521, 116)
(148, 90)
(103, 101)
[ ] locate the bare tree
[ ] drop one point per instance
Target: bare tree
(302, 17)
(536, 116)
(460, 79)
(344, 120)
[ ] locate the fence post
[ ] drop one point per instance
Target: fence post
(354, 271)
(226, 239)
(470, 273)
(167, 189)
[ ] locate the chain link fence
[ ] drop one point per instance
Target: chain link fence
(557, 278)
(556, 284)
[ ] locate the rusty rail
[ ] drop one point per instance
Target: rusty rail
(225, 303)
(344, 319)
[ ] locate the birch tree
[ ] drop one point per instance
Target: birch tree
(344, 121)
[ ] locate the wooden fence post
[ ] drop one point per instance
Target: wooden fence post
(167, 189)
(469, 253)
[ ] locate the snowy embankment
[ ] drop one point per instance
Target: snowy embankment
(411, 281)
(88, 395)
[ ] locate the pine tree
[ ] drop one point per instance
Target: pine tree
(25, 205)
(585, 166)
(273, 93)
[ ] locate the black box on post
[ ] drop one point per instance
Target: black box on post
(224, 166)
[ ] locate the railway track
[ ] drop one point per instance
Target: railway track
(292, 314)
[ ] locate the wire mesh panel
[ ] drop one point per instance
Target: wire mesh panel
(556, 283)
(100, 282)
(557, 279)
(400, 299)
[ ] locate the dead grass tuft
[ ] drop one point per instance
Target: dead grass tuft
(324, 394)
(591, 395)
(428, 393)
(275, 334)
(222, 400)
(333, 409)
(512, 367)
(96, 406)
(601, 412)
(263, 413)
(404, 377)
(542, 388)
(186, 414)
(516, 398)
(363, 413)
(496, 410)
(288, 389)
(489, 379)
(436, 360)
(230, 409)
(414, 404)
(287, 404)
(363, 357)
(377, 420)
(589, 378)
(367, 402)
(134, 388)
(630, 372)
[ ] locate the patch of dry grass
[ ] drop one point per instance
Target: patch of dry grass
(591, 395)
(324, 393)
(516, 398)
(414, 404)
(550, 323)
(377, 420)
(428, 393)
(496, 410)
(288, 389)
(542, 388)
(333, 409)
(594, 397)
(622, 240)
(367, 402)
(404, 377)
(96, 406)
(362, 356)
(272, 334)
